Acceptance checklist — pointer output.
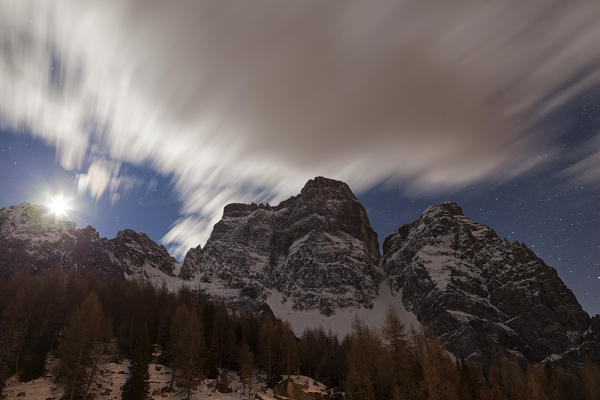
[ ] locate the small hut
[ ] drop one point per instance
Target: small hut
(297, 387)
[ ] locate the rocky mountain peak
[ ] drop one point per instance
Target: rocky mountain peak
(445, 209)
(128, 234)
(237, 209)
(317, 249)
(478, 292)
(338, 208)
(321, 186)
(436, 219)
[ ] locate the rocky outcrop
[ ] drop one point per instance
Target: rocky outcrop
(479, 294)
(317, 249)
(32, 238)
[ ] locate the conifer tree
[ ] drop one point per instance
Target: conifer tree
(440, 376)
(15, 324)
(269, 349)
(365, 364)
(536, 385)
(246, 368)
(468, 384)
(590, 375)
(187, 348)
(46, 315)
(393, 333)
(394, 336)
(358, 387)
(289, 351)
(136, 387)
(81, 346)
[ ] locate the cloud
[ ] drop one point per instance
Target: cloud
(178, 238)
(586, 170)
(104, 176)
(241, 101)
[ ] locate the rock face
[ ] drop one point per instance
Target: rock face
(31, 238)
(317, 249)
(479, 294)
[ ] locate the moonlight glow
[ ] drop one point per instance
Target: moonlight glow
(59, 206)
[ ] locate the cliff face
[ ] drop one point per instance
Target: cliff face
(479, 294)
(318, 249)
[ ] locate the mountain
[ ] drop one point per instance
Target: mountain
(316, 250)
(32, 238)
(314, 260)
(480, 294)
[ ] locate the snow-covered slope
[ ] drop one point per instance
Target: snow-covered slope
(340, 322)
(30, 237)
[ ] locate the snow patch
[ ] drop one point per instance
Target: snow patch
(436, 265)
(340, 323)
(108, 382)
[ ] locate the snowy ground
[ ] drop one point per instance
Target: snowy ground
(111, 376)
(38, 389)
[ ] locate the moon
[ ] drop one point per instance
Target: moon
(59, 206)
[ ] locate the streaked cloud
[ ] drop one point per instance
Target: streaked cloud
(586, 169)
(184, 234)
(241, 101)
(105, 177)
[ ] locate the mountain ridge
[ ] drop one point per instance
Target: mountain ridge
(314, 260)
(33, 238)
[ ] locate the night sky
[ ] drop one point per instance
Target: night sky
(153, 117)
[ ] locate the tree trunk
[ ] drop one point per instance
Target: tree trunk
(94, 369)
(73, 383)
(172, 379)
(75, 375)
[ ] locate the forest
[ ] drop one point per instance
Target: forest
(81, 318)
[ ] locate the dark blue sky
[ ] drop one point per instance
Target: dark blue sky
(31, 173)
(154, 115)
(557, 219)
